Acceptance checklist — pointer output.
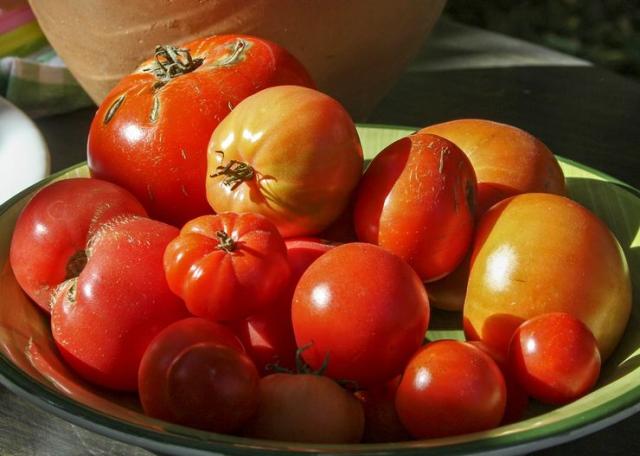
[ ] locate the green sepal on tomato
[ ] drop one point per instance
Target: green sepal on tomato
(150, 133)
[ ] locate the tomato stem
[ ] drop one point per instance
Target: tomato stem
(171, 62)
(225, 242)
(235, 172)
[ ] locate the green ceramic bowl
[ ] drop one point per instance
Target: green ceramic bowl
(30, 366)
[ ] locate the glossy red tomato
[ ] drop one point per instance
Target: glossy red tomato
(195, 373)
(268, 336)
(362, 307)
(416, 199)
(306, 408)
(381, 421)
(103, 320)
(538, 253)
(150, 133)
(450, 388)
(51, 234)
(227, 266)
(290, 153)
(555, 358)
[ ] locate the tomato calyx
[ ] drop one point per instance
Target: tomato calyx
(171, 62)
(235, 172)
(225, 242)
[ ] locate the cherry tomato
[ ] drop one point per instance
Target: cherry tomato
(227, 266)
(416, 200)
(362, 307)
(507, 160)
(103, 320)
(150, 133)
(268, 336)
(306, 408)
(195, 373)
(555, 358)
(450, 388)
(538, 253)
(381, 421)
(51, 234)
(289, 153)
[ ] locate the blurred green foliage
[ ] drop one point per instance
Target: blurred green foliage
(606, 32)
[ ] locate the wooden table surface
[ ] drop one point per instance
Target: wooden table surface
(581, 112)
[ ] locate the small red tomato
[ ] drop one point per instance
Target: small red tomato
(381, 421)
(416, 199)
(51, 234)
(103, 320)
(555, 357)
(150, 133)
(195, 373)
(306, 408)
(364, 308)
(450, 388)
(227, 266)
(268, 336)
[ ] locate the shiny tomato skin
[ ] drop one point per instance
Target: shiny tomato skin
(224, 284)
(195, 373)
(304, 154)
(306, 408)
(555, 358)
(153, 140)
(450, 388)
(103, 320)
(507, 160)
(364, 308)
(538, 253)
(416, 199)
(268, 336)
(52, 231)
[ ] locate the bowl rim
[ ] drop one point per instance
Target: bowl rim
(183, 440)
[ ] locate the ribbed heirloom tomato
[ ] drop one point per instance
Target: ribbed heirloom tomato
(150, 133)
(227, 266)
(289, 153)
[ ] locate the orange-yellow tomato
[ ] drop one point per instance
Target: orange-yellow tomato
(289, 153)
(538, 253)
(507, 160)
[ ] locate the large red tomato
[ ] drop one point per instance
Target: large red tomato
(289, 153)
(363, 310)
(416, 199)
(150, 133)
(50, 238)
(538, 253)
(195, 373)
(227, 266)
(450, 388)
(103, 320)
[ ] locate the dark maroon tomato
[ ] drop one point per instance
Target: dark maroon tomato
(195, 373)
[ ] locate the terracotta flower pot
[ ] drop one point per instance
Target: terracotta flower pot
(354, 49)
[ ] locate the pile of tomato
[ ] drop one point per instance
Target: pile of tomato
(230, 261)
